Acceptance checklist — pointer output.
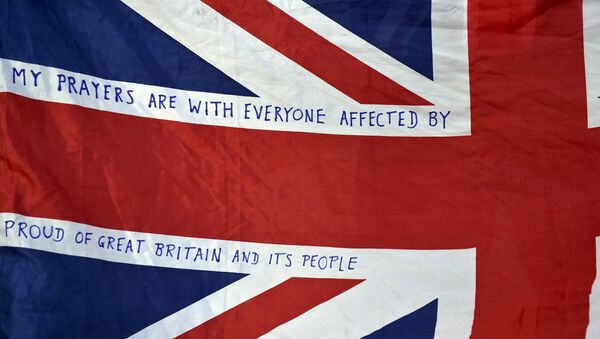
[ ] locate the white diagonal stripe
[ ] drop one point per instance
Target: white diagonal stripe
(237, 53)
(213, 305)
(449, 40)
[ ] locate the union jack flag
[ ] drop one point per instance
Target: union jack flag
(444, 183)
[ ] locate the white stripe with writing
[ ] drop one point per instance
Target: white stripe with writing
(275, 78)
(52, 84)
(398, 281)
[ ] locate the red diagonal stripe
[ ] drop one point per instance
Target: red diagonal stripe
(316, 54)
(272, 308)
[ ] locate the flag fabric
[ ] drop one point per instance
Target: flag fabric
(299, 169)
